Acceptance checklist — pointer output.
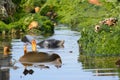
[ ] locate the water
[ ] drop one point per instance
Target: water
(74, 66)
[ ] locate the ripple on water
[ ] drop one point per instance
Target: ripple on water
(72, 68)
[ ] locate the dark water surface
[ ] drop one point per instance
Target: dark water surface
(74, 66)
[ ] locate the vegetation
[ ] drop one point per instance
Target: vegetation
(106, 42)
(83, 16)
(24, 15)
(80, 15)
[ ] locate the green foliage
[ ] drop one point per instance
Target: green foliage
(104, 43)
(50, 5)
(23, 17)
(83, 16)
(45, 9)
(3, 26)
(47, 27)
(29, 5)
(17, 2)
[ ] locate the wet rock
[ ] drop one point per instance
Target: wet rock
(51, 43)
(70, 51)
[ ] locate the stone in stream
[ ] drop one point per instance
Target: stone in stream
(49, 43)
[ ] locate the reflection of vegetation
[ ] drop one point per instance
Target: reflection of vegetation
(4, 41)
(98, 62)
(118, 71)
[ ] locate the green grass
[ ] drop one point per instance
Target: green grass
(83, 16)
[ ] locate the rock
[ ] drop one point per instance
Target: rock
(37, 9)
(109, 21)
(95, 2)
(33, 24)
(97, 28)
(7, 7)
(51, 43)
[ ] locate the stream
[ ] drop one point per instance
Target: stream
(74, 66)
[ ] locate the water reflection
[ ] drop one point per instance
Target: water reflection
(4, 73)
(4, 61)
(31, 71)
(100, 66)
(41, 59)
(87, 68)
(5, 57)
(26, 71)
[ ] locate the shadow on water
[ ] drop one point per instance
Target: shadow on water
(74, 66)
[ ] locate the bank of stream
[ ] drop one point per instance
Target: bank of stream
(74, 66)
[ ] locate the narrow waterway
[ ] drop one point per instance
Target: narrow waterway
(73, 67)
